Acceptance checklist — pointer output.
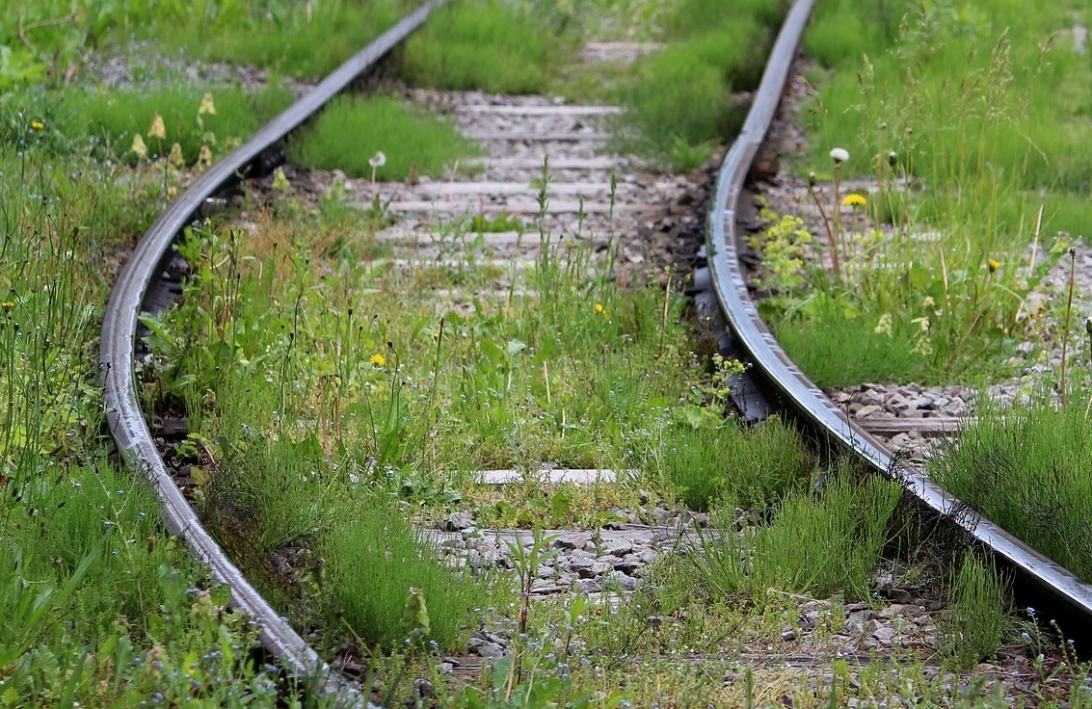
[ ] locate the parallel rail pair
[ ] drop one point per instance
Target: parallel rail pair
(136, 291)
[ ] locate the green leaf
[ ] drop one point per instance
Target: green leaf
(560, 505)
(415, 613)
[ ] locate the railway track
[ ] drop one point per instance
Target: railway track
(787, 384)
(584, 197)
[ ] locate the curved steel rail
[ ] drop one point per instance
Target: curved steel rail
(117, 349)
(1049, 579)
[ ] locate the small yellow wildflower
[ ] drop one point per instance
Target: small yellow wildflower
(883, 327)
(993, 265)
(379, 360)
(207, 106)
(599, 309)
(37, 125)
(175, 157)
(204, 158)
(158, 129)
(7, 306)
(854, 200)
(280, 180)
(139, 147)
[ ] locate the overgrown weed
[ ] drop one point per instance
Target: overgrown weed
(815, 547)
(974, 627)
(935, 251)
(100, 606)
(409, 141)
(483, 44)
(1022, 467)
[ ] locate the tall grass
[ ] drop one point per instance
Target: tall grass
(681, 98)
(814, 547)
(995, 92)
(376, 557)
(943, 111)
(482, 44)
(731, 465)
(99, 606)
(408, 139)
(1025, 468)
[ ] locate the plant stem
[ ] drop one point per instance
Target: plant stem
(1068, 311)
(667, 304)
(839, 230)
(977, 317)
(830, 233)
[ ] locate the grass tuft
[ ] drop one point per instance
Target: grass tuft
(375, 558)
(974, 626)
(409, 140)
(752, 467)
(823, 353)
(1025, 468)
(120, 115)
(481, 44)
(815, 547)
(683, 94)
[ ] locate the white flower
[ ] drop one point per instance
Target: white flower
(839, 155)
(379, 160)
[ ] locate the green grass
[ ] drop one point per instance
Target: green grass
(684, 93)
(410, 140)
(307, 39)
(728, 464)
(689, 18)
(813, 547)
(113, 119)
(1024, 467)
(950, 114)
(680, 99)
(974, 628)
(97, 604)
(847, 349)
(304, 40)
(376, 557)
(994, 92)
(482, 44)
(379, 397)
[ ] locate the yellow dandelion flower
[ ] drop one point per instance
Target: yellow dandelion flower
(139, 147)
(993, 265)
(37, 125)
(158, 129)
(854, 200)
(207, 106)
(7, 306)
(599, 309)
(379, 360)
